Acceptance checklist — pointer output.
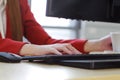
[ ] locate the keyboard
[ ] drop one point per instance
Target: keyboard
(73, 57)
(87, 61)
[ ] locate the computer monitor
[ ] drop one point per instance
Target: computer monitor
(91, 10)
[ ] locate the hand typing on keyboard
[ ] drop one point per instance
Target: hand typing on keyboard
(58, 49)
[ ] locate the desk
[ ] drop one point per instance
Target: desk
(35, 71)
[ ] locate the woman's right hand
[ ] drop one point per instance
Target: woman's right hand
(59, 49)
(101, 44)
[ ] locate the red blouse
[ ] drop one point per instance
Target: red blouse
(33, 32)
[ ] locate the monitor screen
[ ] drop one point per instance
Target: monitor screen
(91, 10)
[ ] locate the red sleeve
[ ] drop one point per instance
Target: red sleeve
(37, 35)
(8, 45)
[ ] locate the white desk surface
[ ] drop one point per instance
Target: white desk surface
(36, 71)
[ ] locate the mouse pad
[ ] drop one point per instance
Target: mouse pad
(109, 77)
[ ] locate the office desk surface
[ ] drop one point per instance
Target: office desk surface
(36, 71)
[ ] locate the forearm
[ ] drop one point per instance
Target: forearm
(101, 44)
(92, 45)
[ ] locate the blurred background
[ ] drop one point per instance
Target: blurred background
(61, 28)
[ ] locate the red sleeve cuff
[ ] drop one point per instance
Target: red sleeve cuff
(8, 45)
(79, 45)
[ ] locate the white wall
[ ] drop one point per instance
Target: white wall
(92, 30)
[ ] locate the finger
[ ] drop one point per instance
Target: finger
(56, 52)
(65, 50)
(74, 50)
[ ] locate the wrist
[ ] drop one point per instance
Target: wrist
(25, 50)
(92, 46)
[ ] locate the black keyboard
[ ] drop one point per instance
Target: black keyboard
(87, 61)
(73, 57)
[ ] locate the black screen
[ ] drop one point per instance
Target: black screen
(94, 10)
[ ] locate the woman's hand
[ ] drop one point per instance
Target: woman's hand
(59, 49)
(101, 44)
